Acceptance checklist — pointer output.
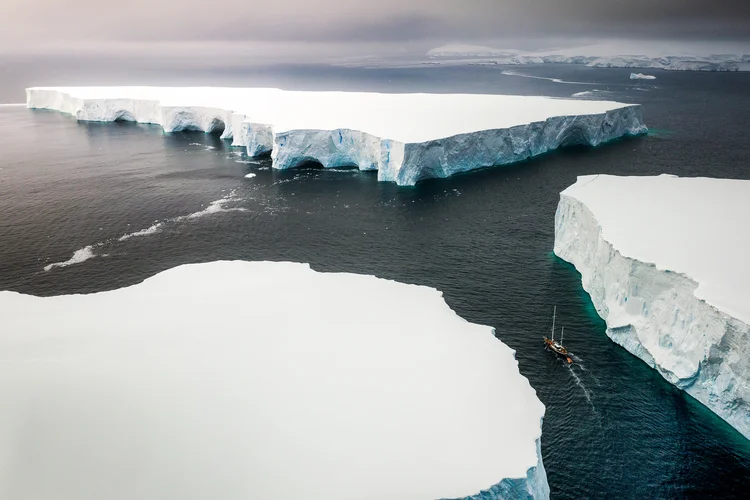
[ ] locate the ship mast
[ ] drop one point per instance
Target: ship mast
(554, 311)
(561, 334)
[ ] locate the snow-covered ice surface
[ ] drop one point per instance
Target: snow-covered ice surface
(405, 137)
(641, 76)
(664, 260)
(261, 380)
(667, 55)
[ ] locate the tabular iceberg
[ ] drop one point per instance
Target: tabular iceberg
(261, 380)
(405, 137)
(664, 260)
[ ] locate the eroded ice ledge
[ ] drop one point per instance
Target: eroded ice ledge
(405, 137)
(261, 380)
(664, 260)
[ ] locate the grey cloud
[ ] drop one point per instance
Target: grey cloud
(390, 28)
(53, 22)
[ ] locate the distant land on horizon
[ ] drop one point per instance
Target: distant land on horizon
(666, 55)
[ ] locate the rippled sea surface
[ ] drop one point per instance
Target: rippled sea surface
(90, 207)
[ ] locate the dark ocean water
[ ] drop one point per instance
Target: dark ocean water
(613, 429)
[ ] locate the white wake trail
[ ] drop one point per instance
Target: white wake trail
(579, 364)
(586, 392)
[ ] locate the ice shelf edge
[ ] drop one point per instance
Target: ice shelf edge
(655, 315)
(399, 162)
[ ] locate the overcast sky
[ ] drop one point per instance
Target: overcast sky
(101, 25)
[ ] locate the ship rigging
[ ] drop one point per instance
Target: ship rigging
(557, 346)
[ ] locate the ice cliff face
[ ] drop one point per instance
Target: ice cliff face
(531, 487)
(653, 312)
(406, 164)
(405, 137)
(102, 109)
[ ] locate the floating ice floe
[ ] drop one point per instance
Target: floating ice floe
(405, 137)
(641, 76)
(153, 229)
(261, 380)
(80, 255)
(664, 260)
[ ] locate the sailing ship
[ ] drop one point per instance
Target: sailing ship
(554, 345)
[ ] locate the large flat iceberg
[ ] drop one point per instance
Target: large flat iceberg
(405, 137)
(665, 262)
(261, 380)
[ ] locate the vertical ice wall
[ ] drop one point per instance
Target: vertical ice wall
(325, 127)
(654, 312)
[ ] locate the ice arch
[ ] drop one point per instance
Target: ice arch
(124, 115)
(216, 127)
